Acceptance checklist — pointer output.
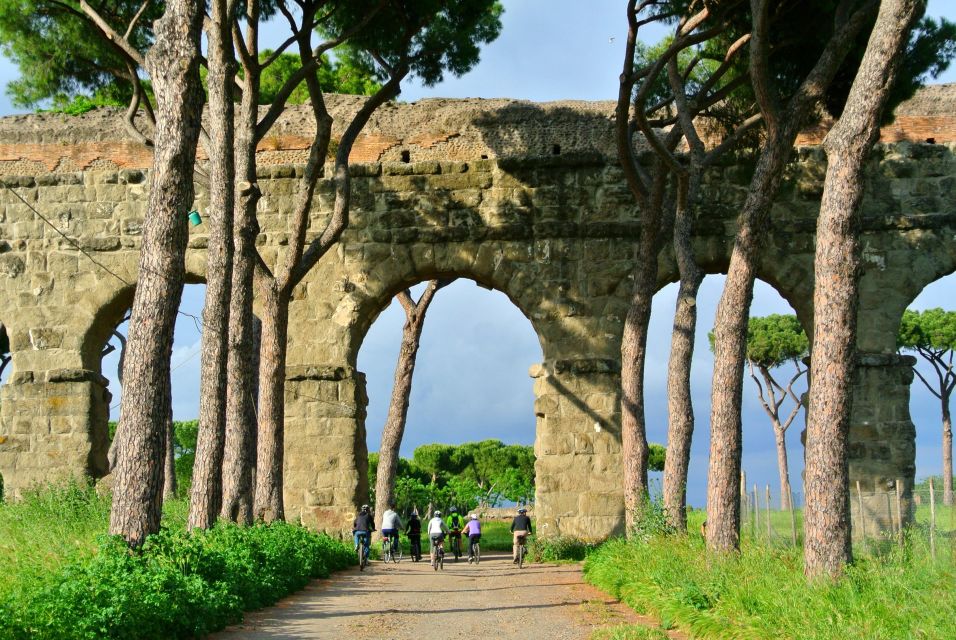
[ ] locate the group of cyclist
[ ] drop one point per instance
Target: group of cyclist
(453, 526)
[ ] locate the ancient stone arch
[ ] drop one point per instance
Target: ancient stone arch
(520, 197)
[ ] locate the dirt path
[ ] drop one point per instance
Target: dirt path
(410, 600)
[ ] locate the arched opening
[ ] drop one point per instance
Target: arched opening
(6, 368)
(931, 390)
(104, 349)
(471, 383)
(760, 461)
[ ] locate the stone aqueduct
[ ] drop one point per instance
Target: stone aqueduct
(520, 197)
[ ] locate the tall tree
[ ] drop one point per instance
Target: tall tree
(827, 546)
(772, 342)
(689, 74)
(932, 334)
(782, 122)
(425, 38)
(394, 427)
(173, 63)
(206, 492)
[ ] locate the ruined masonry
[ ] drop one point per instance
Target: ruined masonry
(521, 197)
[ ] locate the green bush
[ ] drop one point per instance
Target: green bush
(179, 585)
(559, 549)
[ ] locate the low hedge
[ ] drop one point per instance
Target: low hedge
(179, 585)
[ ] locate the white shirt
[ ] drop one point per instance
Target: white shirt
(390, 520)
(435, 526)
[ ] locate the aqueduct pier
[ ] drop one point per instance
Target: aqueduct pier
(521, 197)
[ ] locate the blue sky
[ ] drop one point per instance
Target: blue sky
(472, 379)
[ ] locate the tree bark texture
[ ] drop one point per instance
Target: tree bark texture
(206, 492)
(730, 324)
(827, 546)
(680, 408)
(170, 487)
(394, 427)
(269, 453)
(783, 465)
(947, 454)
(240, 448)
(173, 64)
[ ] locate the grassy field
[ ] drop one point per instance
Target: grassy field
(48, 529)
(900, 594)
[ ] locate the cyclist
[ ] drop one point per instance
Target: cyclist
(455, 523)
(391, 524)
(362, 528)
(521, 528)
(414, 532)
(437, 529)
(473, 531)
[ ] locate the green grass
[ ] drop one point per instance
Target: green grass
(61, 577)
(52, 527)
(762, 593)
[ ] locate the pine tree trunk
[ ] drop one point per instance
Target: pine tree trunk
(947, 454)
(634, 448)
(240, 449)
(173, 64)
(206, 493)
(275, 323)
(783, 465)
(170, 488)
(680, 408)
(394, 427)
(827, 546)
(730, 349)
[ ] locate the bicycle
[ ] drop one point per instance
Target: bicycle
(456, 544)
(362, 551)
(476, 554)
(522, 551)
(438, 555)
(388, 552)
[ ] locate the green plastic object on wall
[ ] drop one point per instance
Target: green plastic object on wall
(195, 218)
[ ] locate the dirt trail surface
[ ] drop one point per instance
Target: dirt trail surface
(411, 600)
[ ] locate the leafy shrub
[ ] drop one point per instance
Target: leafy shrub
(179, 585)
(560, 548)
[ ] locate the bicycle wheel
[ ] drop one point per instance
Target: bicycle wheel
(441, 559)
(477, 553)
(456, 548)
(362, 557)
(521, 557)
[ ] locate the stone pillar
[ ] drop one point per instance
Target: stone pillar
(882, 441)
(53, 426)
(326, 458)
(578, 448)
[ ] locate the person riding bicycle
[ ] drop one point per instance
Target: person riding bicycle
(473, 531)
(362, 528)
(437, 529)
(391, 524)
(455, 523)
(521, 529)
(413, 530)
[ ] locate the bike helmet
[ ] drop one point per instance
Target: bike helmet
(364, 508)
(453, 510)
(474, 516)
(522, 510)
(437, 513)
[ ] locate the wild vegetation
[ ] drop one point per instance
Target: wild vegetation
(762, 593)
(62, 577)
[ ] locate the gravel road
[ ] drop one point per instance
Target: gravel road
(410, 600)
